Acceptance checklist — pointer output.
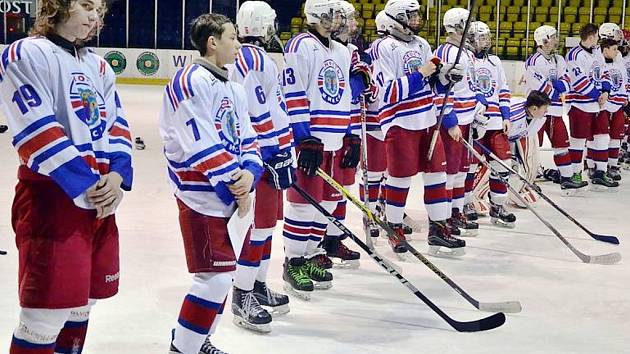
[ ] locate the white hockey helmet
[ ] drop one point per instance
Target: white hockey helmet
(328, 13)
(610, 31)
(403, 14)
(455, 20)
(543, 34)
(256, 19)
(383, 23)
(480, 37)
(349, 14)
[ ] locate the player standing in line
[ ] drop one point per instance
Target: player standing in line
(469, 104)
(258, 73)
(316, 86)
(584, 66)
(407, 114)
(624, 156)
(615, 80)
(213, 163)
(546, 71)
(74, 147)
(490, 80)
(360, 81)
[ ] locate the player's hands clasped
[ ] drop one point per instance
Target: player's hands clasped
(106, 194)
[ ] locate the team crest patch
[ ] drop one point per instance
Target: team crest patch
(485, 82)
(226, 123)
(331, 82)
(553, 74)
(88, 104)
(413, 61)
(596, 73)
(616, 78)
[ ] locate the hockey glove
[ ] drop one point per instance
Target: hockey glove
(455, 73)
(362, 69)
(559, 86)
(280, 171)
(311, 155)
(351, 151)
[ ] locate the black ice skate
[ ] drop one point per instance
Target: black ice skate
(397, 244)
(296, 280)
(248, 313)
(341, 255)
(322, 260)
(206, 347)
(499, 216)
(321, 278)
(602, 183)
(552, 175)
(572, 186)
(440, 237)
(453, 227)
(140, 143)
(467, 228)
(276, 302)
(614, 173)
(470, 212)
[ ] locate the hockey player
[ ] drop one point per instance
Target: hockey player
(316, 86)
(74, 147)
(490, 80)
(408, 116)
(469, 105)
(624, 156)
(527, 118)
(360, 81)
(586, 99)
(614, 81)
(213, 163)
(258, 73)
(546, 71)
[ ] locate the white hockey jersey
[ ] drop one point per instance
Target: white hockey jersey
(491, 82)
(520, 125)
(207, 137)
(372, 123)
(614, 81)
(540, 74)
(259, 75)
(464, 92)
(406, 96)
(65, 115)
(317, 89)
(585, 71)
(626, 64)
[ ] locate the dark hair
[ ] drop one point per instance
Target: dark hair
(537, 99)
(607, 43)
(588, 30)
(204, 27)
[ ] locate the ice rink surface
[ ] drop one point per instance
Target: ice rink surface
(568, 306)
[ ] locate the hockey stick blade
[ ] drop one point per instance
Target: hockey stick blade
(484, 324)
(605, 238)
(506, 307)
(605, 259)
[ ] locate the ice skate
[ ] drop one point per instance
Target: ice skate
(602, 183)
(500, 217)
(466, 228)
(277, 303)
(296, 280)
(321, 278)
(248, 313)
(340, 254)
(442, 244)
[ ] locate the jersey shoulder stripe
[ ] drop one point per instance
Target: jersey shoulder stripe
(294, 43)
(574, 53)
(180, 88)
(250, 58)
(531, 61)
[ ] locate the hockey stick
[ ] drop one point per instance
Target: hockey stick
(484, 324)
(462, 42)
(598, 237)
(607, 259)
(508, 306)
(364, 171)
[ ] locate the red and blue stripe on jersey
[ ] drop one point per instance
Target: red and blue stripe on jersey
(180, 87)
(249, 58)
(583, 89)
(11, 54)
(464, 100)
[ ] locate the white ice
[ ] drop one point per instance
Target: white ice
(568, 306)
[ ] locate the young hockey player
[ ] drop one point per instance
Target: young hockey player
(360, 80)
(469, 104)
(490, 80)
(614, 81)
(408, 117)
(546, 71)
(316, 86)
(587, 99)
(258, 73)
(213, 163)
(624, 156)
(74, 148)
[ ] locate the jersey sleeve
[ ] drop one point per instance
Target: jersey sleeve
(505, 95)
(536, 80)
(120, 145)
(396, 89)
(38, 137)
(247, 72)
(295, 83)
(250, 153)
(192, 125)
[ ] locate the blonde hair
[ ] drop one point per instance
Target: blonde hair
(52, 12)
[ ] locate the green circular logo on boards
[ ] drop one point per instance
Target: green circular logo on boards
(148, 63)
(117, 61)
